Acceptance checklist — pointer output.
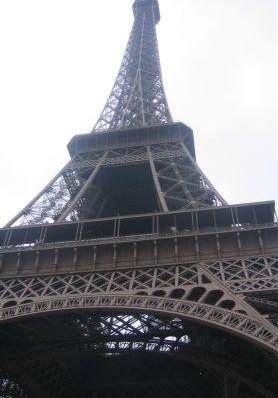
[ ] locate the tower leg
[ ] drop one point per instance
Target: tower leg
(73, 203)
(159, 192)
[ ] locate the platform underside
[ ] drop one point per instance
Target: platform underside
(99, 354)
(128, 275)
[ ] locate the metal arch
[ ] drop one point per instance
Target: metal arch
(142, 343)
(207, 277)
(238, 323)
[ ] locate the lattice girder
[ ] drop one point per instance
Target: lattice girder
(205, 302)
(48, 347)
(76, 190)
(199, 290)
(137, 97)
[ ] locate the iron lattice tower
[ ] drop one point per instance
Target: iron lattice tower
(129, 275)
(138, 97)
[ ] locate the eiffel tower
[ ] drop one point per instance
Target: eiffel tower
(129, 275)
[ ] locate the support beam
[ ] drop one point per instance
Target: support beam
(83, 190)
(159, 192)
(210, 185)
(38, 196)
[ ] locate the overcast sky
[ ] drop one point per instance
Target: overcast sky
(59, 59)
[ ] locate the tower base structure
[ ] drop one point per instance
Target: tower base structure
(171, 300)
(129, 275)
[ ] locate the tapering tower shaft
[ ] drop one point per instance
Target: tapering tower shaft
(128, 274)
(137, 98)
(143, 163)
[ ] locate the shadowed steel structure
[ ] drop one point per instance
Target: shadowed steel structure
(137, 101)
(129, 275)
(138, 98)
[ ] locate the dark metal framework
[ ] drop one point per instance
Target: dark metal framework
(85, 354)
(138, 98)
(128, 275)
(78, 191)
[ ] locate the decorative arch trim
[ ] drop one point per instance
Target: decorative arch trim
(234, 322)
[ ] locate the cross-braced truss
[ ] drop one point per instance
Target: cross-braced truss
(138, 97)
(180, 182)
(185, 329)
(211, 292)
(75, 193)
(123, 353)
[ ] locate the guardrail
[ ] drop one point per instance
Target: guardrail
(134, 238)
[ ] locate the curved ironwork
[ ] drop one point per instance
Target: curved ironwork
(219, 317)
(45, 347)
(215, 314)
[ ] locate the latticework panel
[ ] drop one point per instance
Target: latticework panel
(138, 98)
(204, 292)
(77, 190)
(119, 354)
(180, 182)
(63, 195)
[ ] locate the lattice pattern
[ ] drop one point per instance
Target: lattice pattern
(73, 193)
(182, 183)
(137, 98)
(99, 282)
(238, 295)
(49, 206)
(205, 288)
(212, 315)
(248, 275)
(50, 351)
(63, 197)
(233, 273)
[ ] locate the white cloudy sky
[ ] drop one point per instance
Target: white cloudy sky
(219, 58)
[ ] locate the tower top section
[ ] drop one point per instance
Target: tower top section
(147, 3)
(138, 98)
